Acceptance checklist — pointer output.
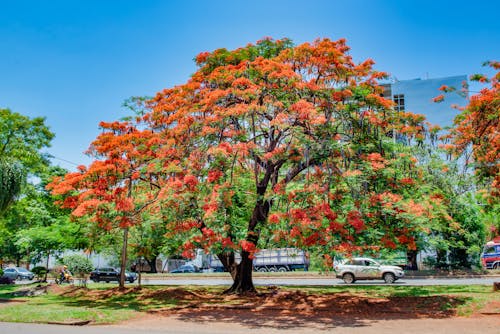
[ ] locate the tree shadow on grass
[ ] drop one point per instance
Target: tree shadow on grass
(134, 298)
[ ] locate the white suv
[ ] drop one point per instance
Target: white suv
(362, 268)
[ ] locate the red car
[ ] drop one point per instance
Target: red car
(491, 255)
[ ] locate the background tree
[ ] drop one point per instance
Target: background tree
(117, 187)
(148, 241)
(476, 131)
(457, 232)
(34, 227)
(11, 179)
(478, 126)
(22, 139)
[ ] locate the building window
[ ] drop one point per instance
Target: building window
(399, 100)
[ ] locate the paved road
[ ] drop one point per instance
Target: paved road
(18, 328)
(309, 281)
(486, 325)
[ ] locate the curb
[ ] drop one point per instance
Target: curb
(72, 323)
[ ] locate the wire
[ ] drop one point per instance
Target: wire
(70, 162)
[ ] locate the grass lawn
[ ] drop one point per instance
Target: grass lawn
(474, 297)
(55, 308)
(100, 303)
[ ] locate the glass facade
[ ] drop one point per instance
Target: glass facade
(417, 96)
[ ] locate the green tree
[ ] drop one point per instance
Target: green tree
(40, 242)
(34, 227)
(148, 240)
(22, 138)
(11, 179)
(475, 138)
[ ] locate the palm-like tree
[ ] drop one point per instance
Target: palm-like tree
(11, 178)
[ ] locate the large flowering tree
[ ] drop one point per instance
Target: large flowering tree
(269, 144)
(294, 143)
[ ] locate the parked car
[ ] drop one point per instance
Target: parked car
(111, 274)
(490, 257)
(17, 273)
(129, 275)
(362, 268)
(186, 268)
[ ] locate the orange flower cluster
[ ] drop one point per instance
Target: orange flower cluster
(479, 125)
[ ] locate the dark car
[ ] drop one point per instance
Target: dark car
(186, 268)
(111, 274)
(18, 273)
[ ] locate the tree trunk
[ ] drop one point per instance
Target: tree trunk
(152, 265)
(27, 266)
(441, 259)
(242, 273)
(123, 263)
(459, 258)
(242, 279)
(228, 261)
(47, 266)
(140, 276)
(411, 256)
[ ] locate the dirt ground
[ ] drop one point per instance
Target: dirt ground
(276, 311)
(288, 311)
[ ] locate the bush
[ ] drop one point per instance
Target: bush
(39, 272)
(78, 265)
(1, 272)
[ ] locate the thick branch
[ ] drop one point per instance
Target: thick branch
(301, 166)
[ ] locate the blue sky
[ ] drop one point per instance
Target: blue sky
(75, 62)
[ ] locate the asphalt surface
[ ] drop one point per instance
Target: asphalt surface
(187, 279)
(311, 281)
(18, 328)
(168, 325)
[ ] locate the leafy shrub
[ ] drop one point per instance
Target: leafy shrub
(430, 262)
(1, 272)
(39, 272)
(78, 265)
